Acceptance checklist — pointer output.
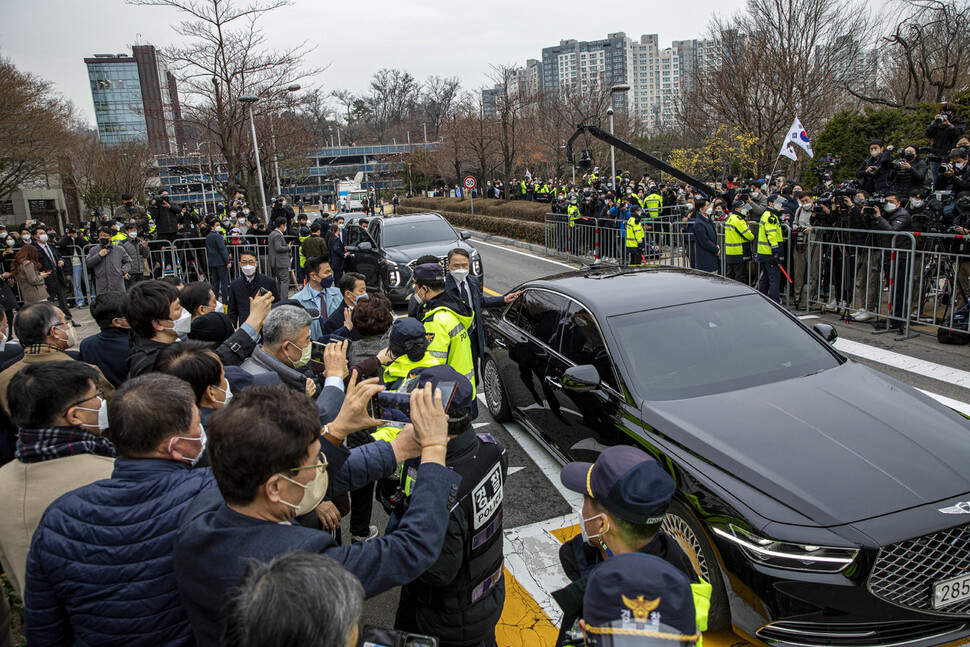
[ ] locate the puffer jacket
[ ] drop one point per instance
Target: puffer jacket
(100, 572)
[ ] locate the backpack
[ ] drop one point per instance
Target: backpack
(953, 337)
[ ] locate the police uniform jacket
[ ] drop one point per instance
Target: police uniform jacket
(460, 597)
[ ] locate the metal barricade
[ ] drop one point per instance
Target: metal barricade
(940, 285)
(186, 257)
(863, 270)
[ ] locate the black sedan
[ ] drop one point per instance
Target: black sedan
(386, 251)
(825, 502)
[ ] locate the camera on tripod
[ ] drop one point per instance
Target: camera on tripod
(869, 209)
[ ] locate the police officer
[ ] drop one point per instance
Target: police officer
(634, 236)
(737, 244)
(770, 254)
(447, 320)
(637, 599)
(626, 493)
(460, 597)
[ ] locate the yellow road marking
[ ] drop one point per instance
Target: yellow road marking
(523, 623)
(491, 292)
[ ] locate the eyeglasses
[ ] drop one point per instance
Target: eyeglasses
(98, 394)
(322, 464)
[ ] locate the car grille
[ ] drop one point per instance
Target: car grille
(904, 573)
(882, 634)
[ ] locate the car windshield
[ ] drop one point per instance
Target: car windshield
(717, 346)
(397, 234)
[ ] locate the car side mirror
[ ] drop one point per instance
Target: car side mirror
(581, 378)
(826, 332)
(365, 247)
(465, 235)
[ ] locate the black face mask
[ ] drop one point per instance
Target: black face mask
(105, 241)
(909, 156)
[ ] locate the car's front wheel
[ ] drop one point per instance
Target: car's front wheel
(498, 404)
(681, 525)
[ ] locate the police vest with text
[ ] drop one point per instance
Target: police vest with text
(480, 497)
(737, 238)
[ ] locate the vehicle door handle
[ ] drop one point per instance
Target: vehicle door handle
(554, 382)
(499, 342)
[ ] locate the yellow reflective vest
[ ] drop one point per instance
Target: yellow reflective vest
(769, 237)
(573, 212)
(449, 343)
(634, 233)
(652, 204)
(736, 234)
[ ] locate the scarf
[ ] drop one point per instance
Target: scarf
(38, 445)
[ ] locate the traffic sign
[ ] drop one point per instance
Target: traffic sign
(470, 182)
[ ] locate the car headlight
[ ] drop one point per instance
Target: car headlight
(393, 274)
(477, 267)
(780, 554)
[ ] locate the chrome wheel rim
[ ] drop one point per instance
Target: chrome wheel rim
(678, 530)
(493, 390)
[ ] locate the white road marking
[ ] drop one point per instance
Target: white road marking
(962, 407)
(932, 370)
(513, 470)
(804, 317)
(532, 557)
(532, 256)
(546, 462)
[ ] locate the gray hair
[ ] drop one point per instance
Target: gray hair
(296, 599)
(284, 322)
(34, 322)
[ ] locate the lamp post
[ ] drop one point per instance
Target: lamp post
(276, 164)
(616, 89)
(250, 99)
(201, 175)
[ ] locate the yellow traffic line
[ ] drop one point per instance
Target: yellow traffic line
(523, 622)
(491, 292)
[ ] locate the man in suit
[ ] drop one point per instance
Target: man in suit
(462, 284)
(110, 348)
(217, 257)
(247, 286)
(337, 251)
(51, 261)
(319, 293)
(279, 257)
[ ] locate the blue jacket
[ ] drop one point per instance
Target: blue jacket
(215, 543)
(216, 254)
(100, 571)
(109, 351)
(705, 244)
(332, 298)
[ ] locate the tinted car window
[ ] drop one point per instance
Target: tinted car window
(717, 346)
(580, 342)
(414, 232)
(539, 315)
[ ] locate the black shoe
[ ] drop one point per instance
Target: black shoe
(74, 323)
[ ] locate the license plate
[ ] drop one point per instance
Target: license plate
(951, 591)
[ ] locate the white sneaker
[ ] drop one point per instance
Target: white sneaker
(371, 534)
(863, 316)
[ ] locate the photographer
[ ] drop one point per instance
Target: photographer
(132, 210)
(891, 216)
(954, 176)
(945, 130)
(910, 173)
(801, 225)
(166, 217)
(875, 170)
(961, 226)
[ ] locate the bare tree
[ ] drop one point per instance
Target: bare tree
(227, 57)
(34, 128)
(511, 110)
(392, 100)
(438, 100)
(925, 57)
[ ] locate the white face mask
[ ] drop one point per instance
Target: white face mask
(71, 336)
(587, 538)
(3, 342)
(228, 393)
(202, 440)
(184, 323)
(808, 206)
(219, 307)
(11, 242)
(917, 204)
(25, 238)
(709, 211)
(417, 298)
(890, 207)
(132, 234)
(248, 270)
(102, 416)
(313, 492)
(42, 238)
(459, 275)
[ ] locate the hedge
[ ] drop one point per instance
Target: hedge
(516, 209)
(530, 232)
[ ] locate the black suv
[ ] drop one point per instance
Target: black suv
(388, 249)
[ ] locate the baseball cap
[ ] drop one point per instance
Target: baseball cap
(626, 481)
(428, 272)
(461, 399)
(404, 329)
(212, 327)
(638, 599)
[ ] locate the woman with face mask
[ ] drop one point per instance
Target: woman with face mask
(26, 270)
(706, 251)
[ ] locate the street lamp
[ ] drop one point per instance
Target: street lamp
(619, 88)
(201, 175)
(250, 99)
(276, 164)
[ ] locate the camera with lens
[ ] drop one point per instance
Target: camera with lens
(943, 116)
(869, 209)
(945, 168)
(585, 160)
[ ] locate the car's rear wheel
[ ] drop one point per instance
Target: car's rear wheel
(498, 404)
(683, 527)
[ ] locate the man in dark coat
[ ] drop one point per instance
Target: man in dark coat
(51, 261)
(247, 286)
(706, 250)
(110, 348)
(297, 466)
(217, 258)
(945, 129)
(876, 169)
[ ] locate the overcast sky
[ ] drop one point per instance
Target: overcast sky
(50, 38)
